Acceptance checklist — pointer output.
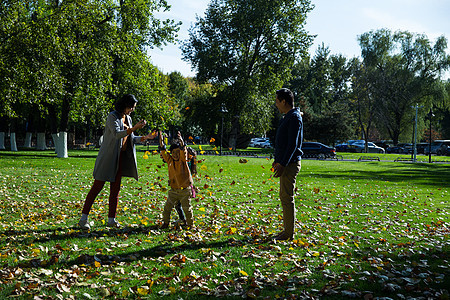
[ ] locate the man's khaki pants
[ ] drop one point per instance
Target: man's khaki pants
(287, 187)
(175, 196)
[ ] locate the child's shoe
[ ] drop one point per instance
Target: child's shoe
(84, 225)
(113, 224)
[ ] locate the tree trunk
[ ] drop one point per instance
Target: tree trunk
(61, 151)
(29, 128)
(55, 139)
(13, 142)
(2, 140)
(28, 137)
(40, 143)
(12, 138)
(235, 130)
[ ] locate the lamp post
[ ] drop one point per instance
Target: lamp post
(430, 115)
(223, 111)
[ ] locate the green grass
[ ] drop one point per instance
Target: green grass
(378, 228)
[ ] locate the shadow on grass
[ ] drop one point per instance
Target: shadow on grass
(417, 174)
(377, 272)
(167, 247)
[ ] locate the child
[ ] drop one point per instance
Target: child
(192, 163)
(180, 180)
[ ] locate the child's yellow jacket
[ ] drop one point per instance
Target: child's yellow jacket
(179, 173)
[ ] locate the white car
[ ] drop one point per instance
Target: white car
(257, 142)
(266, 144)
(371, 148)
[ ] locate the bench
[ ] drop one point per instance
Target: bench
(403, 159)
(320, 156)
(369, 158)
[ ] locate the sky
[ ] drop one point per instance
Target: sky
(337, 25)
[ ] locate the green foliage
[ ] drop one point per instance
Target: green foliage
(201, 112)
(69, 60)
(247, 48)
(322, 91)
(401, 69)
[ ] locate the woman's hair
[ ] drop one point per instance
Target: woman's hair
(127, 101)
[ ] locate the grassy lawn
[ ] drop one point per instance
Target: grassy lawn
(364, 229)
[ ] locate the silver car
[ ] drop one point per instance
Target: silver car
(371, 148)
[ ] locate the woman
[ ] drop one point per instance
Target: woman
(116, 158)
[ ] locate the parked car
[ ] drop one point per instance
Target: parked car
(342, 147)
(421, 147)
(407, 146)
(256, 142)
(382, 144)
(443, 147)
(396, 149)
(346, 147)
(371, 147)
(319, 149)
(266, 144)
(438, 147)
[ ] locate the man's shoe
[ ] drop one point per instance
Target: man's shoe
(279, 234)
(114, 224)
(283, 237)
(84, 224)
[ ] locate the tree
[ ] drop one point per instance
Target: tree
(178, 88)
(69, 60)
(363, 100)
(321, 85)
(200, 113)
(404, 70)
(245, 48)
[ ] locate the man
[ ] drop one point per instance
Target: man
(288, 154)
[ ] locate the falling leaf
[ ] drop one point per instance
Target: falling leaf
(243, 273)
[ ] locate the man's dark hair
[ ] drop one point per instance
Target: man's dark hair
(287, 95)
(127, 101)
